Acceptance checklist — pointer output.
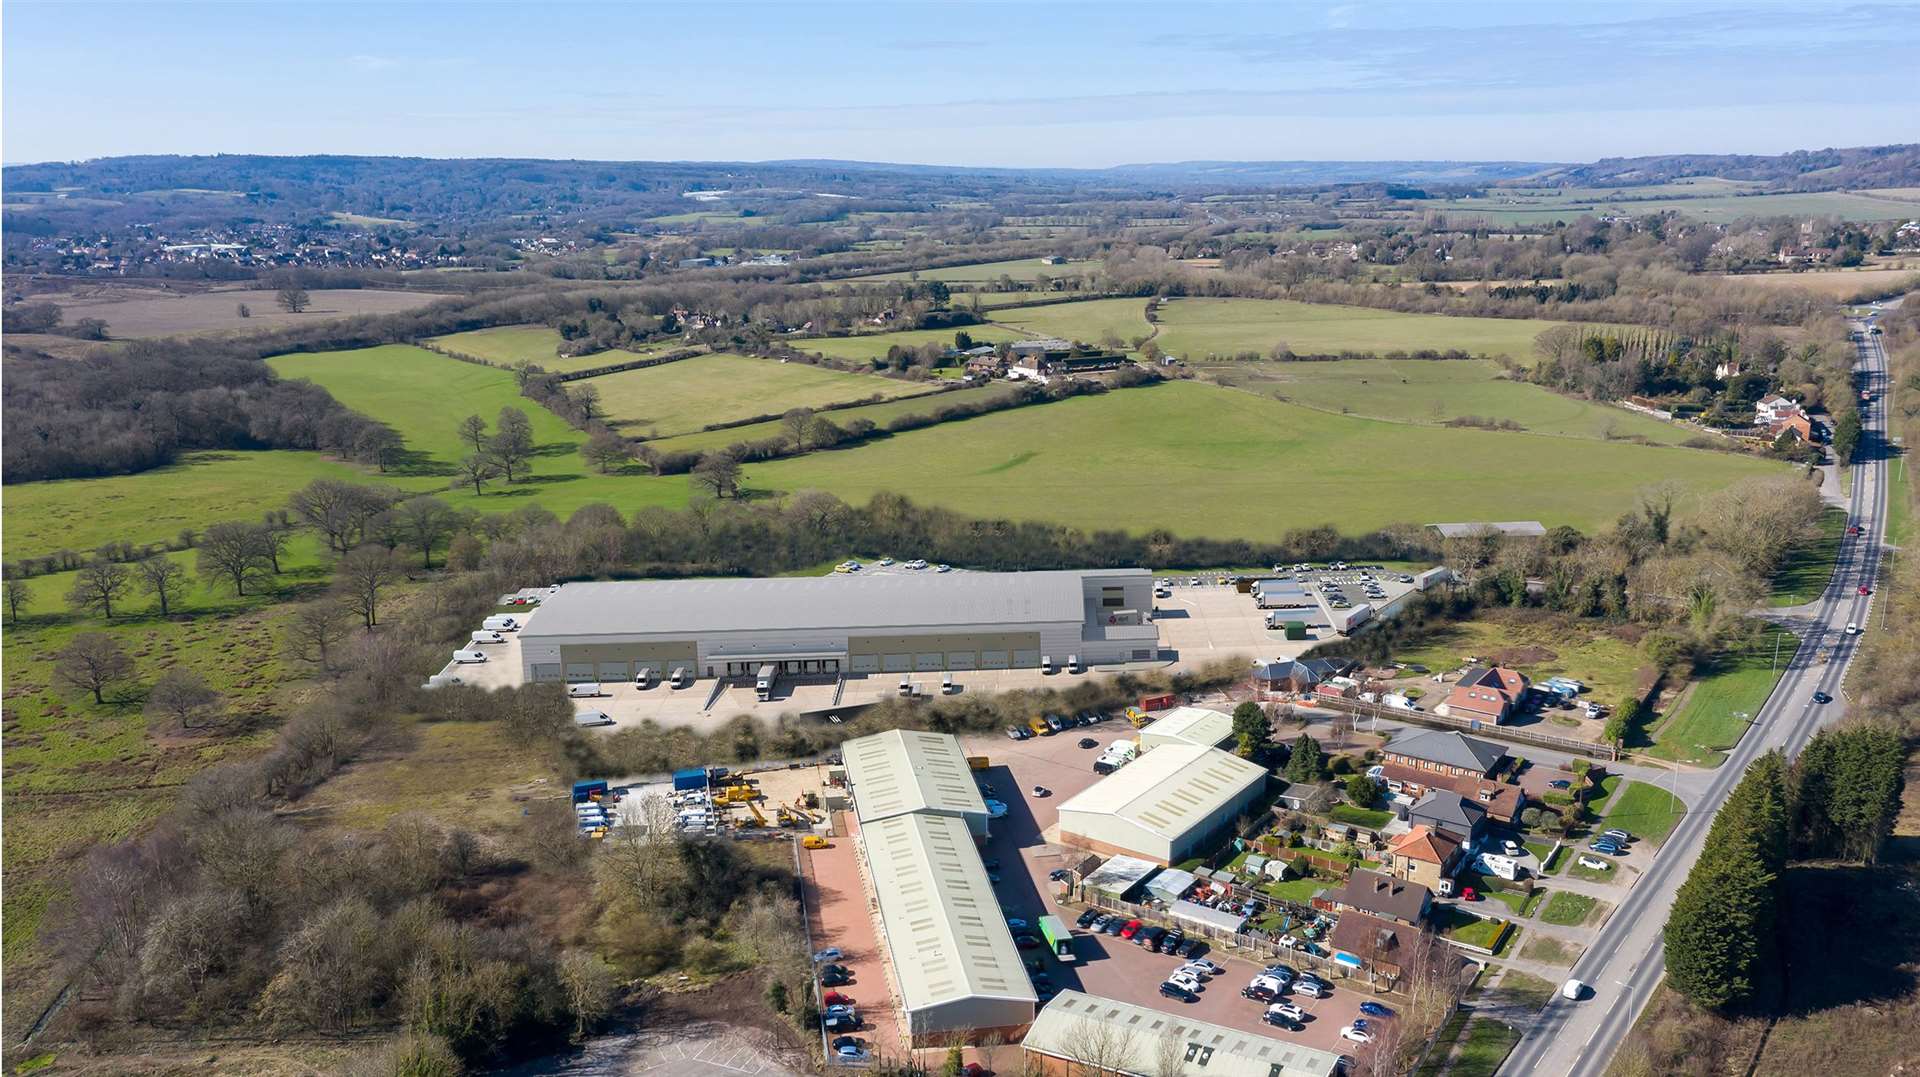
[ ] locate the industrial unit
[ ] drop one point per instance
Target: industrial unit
(905, 771)
(1188, 725)
(894, 623)
(1164, 806)
(1081, 1033)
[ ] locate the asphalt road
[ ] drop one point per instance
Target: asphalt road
(1625, 961)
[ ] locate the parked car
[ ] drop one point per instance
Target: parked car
(1014, 923)
(1620, 837)
(1259, 993)
(835, 979)
(1170, 989)
(1312, 989)
(839, 1024)
(1186, 980)
(1015, 732)
(1284, 972)
(845, 1010)
(467, 658)
(1042, 791)
(1560, 783)
(831, 953)
(1287, 1010)
(837, 998)
(1374, 1009)
(852, 1053)
(1356, 1034)
(1593, 863)
(1205, 966)
(1149, 937)
(1191, 948)
(842, 1041)
(1087, 918)
(1089, 742)
(1605, 848)
(1133, 928)
(1116, 926)
(1026, 942)
(1059, 875)
(585, 690)
(1171, 943)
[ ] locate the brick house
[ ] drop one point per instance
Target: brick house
(1447, 755)
(1383, 896)
(1489, 693)
(1423, 855)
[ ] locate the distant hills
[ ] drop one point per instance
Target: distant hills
(1801, 170)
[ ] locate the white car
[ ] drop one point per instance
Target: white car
(1357, 1035)
(467, 658)
(916, 563)
(1852, 629)
(1203, 964)
(943, 568)
(1199, 970)
(1287, 1010)
(885, 562)
(1312, 989)
(585, 690)
(1593, 863)
(1186, 980)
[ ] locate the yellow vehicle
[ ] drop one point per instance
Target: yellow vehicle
(979, 762)
(815, 841)
(1137, 718)
(759, 817)
(1039, 726)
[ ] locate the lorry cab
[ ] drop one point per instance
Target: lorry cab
(763, 684)
(906, 687)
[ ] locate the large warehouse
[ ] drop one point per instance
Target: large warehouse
(1164, 806)
(1079, 1033)
(904, 771)
(891, 623)
(952, 958)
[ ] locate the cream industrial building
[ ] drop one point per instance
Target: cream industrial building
(891, 623)
(950, 957)
(1188, 725)
(1078, 1033)
(1170, 803)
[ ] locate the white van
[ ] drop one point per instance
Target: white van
(682, 676)
(587, 690)
(1073, 664)
(906, 687)
(487, 637)
(644, 678)
(947, 687)
(442, 680)
(501, 622)
(587, 718)
(469, 657)
(1046, 663)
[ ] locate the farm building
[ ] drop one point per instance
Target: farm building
(1188, 725)
(1128, 1039)
(839, 624)
(903, 771)
(1166, 805)
(952, 958)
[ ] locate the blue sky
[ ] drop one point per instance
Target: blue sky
(1060, 84)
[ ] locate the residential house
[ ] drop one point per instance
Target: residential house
(1370, 943)
(1383, 896)
(1503, 802)
(1448, 754)
(1488, 693)
(1773, 409)
(1451, 812)
(1424, 855)
(1298, 675)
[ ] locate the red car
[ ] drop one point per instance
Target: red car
(1469, 895)
(837, 998)
(975, 1069)
(1854, 530)
(1865, 590)
(1132, 929)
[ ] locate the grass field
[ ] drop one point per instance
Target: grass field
(1089, 322)
(1722, 701)
(505, 345)
(1243, 466)
(1434, 391)
(1019, 269)
(1539, 646)
(1715, 204)
(1899, 500)
(685, 396)
(1648, 812)
(1592, 875)
(1462, 926)
(148, 312)
(1569, 909)
(1836, 284)
(875, 345)
(1194, 329)
(1809, 568)
(878, 414)
(1549, 950)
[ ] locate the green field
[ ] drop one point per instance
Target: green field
(1648, 812)
(506, 344)
(1203, 460)
(1019, 269)
(1434, 391)
(685, 396)
(1485, 1048)
(1808, 569)
(1592, 875)
(1726, 694)
(874, 345)
(1087, 322)
(1719, 203)
(1194, 329)
(878, 414)
(1540, 647)
(1569, 909)
(203, 488)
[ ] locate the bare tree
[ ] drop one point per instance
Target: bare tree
(1169, 1054)
(18, 593)
(315, 632)
(339, 510)
(475, 470)
(163, 578)
(798, 422)
(588, 984)
(512, 445)
(233, 553)
(97, 585)
(586, 400)
(93, 662)
(473, 431)
(718, 473)
(293, 299)
(182, 698)
(605, 450)
(427, 522)
(243, 311)
(362, 575)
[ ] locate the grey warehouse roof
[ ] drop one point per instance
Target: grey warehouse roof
(1448, 749)
(1071, 1022)
(1521, 528)
(894, 600)
(904, 770)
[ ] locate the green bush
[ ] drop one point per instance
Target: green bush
(706, 955)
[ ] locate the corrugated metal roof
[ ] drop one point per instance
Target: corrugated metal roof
(1194, 725)
(1063, 1026)
(877, 601)
(1169, 789)
(944, 926)
(904, 770)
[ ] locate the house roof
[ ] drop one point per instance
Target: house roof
(1508, 682)
(1447, 809)
(1309, 670)
(944, 927)
(1425, 843)
(1373, 939)
(1502, 801)
(905, 770)
(1448, 749)
(1169, 789)
(1381, 895)
(1073, 1020)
